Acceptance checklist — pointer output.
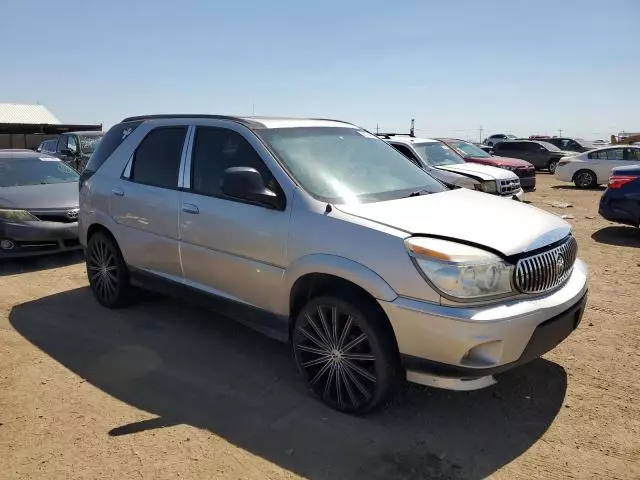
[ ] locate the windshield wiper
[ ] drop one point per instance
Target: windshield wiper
(417, 193)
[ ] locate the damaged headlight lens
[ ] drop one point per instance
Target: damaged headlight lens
(460, 271)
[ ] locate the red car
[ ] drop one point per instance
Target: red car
(473, 154)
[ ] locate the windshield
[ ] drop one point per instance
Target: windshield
(436, 153)
(550, 146)
(89, 143)
(585, 143)
(467, 149)
(513, 137)
(21, 172)
(346, 165)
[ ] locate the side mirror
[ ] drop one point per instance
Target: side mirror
(246, 183)
(67, 152)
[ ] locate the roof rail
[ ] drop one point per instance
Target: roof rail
(244, 121)
(391, 134)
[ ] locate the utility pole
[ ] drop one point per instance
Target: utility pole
(481, 130)
(377, 129)
(560, 132)
(253, 109)
(412, 131)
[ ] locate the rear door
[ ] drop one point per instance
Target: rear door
(603, 161)
(145, 203)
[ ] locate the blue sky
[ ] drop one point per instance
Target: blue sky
(515, 66)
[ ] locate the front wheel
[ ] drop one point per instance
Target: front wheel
(346, 353)
(107, 271)
(552, 166)
(585, 179)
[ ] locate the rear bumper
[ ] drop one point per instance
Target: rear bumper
(474, 342)
(28, 239)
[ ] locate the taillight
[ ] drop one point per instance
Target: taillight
(617, 181)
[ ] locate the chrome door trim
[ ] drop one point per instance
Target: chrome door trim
(184, 174)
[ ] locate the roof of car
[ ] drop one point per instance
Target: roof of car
(87, 133)
(253, 122)
(17, 154)
(408, 139)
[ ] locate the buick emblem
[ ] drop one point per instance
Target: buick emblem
(560, 265)
(73, 213)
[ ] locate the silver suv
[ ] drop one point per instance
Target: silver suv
(318, 233)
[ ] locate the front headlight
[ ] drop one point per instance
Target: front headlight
(15, 215)
(488, 186)
(460, 271)
(508, 167)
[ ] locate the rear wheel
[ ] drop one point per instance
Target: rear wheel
(552, 165)
(585, 179)
(346, 353)
(107, 272)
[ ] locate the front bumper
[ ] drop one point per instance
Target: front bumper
(474, 342)
(620, 210)
(38, 238)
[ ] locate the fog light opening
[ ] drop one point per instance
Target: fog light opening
(7, 244)
(483, 355)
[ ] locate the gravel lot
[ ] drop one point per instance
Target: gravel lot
(164, 390)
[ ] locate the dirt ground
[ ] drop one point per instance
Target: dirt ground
(164, 390)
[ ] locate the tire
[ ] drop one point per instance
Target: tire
(108, 273)
(585, 179)
(346, 352)
(552, 165)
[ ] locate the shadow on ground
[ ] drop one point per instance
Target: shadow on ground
(599, 188)
(190, 366)
(619, 236)
(15, 266)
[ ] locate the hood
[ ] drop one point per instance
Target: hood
(482, 172)
(504, 225)
(511, 162)
(55, 195)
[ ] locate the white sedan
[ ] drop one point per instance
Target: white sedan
(593, 168)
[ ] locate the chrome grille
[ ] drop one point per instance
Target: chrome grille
(547, 270)
(509, 187)
(62, 215)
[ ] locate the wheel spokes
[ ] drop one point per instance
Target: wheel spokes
(353, 343)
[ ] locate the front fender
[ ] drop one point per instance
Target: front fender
(340, 267)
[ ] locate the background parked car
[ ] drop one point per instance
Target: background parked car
(38, 204)
(48, 146)
(75, 148)
(571, 144)
(498, 137)
(473, 154)
(620, 202)
(446, 165)
(590, 169)
(542, 155)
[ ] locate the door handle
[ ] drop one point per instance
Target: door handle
(190, 208)
(117, 191)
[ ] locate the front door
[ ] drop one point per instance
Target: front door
(230, 248)
(145, 203)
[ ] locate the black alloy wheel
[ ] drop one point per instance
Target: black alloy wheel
(345, 356)
(107, 272)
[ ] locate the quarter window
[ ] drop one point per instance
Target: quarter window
(157, 159)
(215, 150)
(633, 154)
(72, 144)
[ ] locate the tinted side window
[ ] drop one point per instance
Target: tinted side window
(157, 159)
(530, 147)
(505, 146)
(615, 154)
(62, 143)
(406, 152)
(72, 143)
(633, 154)
(114, 137)
(215, 150)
